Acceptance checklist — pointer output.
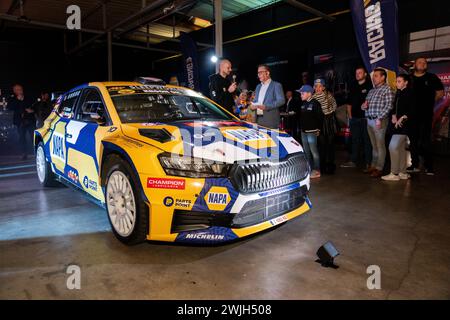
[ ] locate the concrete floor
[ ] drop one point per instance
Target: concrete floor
(402, 227)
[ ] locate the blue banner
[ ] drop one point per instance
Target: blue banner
(376, 29)
(190, 62)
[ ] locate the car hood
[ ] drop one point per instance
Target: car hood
(222, 141)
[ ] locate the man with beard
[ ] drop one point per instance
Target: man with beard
(221, 89)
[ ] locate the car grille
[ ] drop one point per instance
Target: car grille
(261, 176)
(259, 210)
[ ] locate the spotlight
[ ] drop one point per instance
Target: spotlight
(326, 254)
(214, 59)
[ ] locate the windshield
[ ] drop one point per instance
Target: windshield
(163, 107)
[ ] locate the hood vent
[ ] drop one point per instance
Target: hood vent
(160, 135)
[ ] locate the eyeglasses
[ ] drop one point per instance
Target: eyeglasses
(260, 72)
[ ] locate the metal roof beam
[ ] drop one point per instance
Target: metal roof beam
(157, 36)
(309, 9)
(132, 46)
(175, 6)
(9, 17)
(149, 8)
(94, 10)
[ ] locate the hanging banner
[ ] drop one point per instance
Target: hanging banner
(376, 29)
(190, 62)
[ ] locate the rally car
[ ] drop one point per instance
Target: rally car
(169, 164)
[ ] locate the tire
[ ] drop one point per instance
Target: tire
(45, 174)
(127, 212)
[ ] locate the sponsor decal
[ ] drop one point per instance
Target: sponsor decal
(217, 198)
(158, 89)
(126, 91)
(205, 236)
(278, 220)
(183, 203)
(58, 146)
(244, 135)
(151, 124)
(212, 234)
(73, 176)
(133, 142)
(212, 123)
(257, 139)
(168, 201)
(295, 143)
(72, 95)
(115, 88)
(166, 183)
(112, 129)
(89, 184)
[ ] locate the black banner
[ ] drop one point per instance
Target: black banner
(190, 62)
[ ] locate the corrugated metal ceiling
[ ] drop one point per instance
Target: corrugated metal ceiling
(54, 11)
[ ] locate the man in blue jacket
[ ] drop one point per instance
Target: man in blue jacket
(269, 97)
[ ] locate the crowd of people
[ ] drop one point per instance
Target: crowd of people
(28, 115)
(380, 119)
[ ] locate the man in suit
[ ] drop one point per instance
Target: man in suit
(269, 97)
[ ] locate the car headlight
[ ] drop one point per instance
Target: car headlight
(185, 166)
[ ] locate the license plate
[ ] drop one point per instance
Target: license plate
(278, 220)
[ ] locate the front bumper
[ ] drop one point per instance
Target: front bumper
(189, 216)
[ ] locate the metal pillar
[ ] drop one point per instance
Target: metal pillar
(218, 29)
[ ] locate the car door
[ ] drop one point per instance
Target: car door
(84, 133)
(57, 144)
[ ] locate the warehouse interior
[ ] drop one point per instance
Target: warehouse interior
(402, 228)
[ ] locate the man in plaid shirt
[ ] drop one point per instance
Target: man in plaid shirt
(378, 104)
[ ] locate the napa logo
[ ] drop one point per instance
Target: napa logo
(58, 150)
(249, 137)
(217, 198)
(243, 135)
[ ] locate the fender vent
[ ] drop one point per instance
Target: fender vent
(160, 135)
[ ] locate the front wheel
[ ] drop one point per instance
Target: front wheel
(44, 172)
(127, 212)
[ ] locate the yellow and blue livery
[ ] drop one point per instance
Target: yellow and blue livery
(168, 164)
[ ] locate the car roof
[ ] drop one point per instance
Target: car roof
(131, 83)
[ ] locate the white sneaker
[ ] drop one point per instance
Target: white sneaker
(391, 177)
(404, 176)
(348, 165)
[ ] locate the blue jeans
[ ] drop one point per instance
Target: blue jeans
(309, 142)
(360, 141)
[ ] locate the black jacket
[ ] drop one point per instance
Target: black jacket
(42, 109)
(218, 91)
(21, 117)
(404, 103)
(311, 116)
